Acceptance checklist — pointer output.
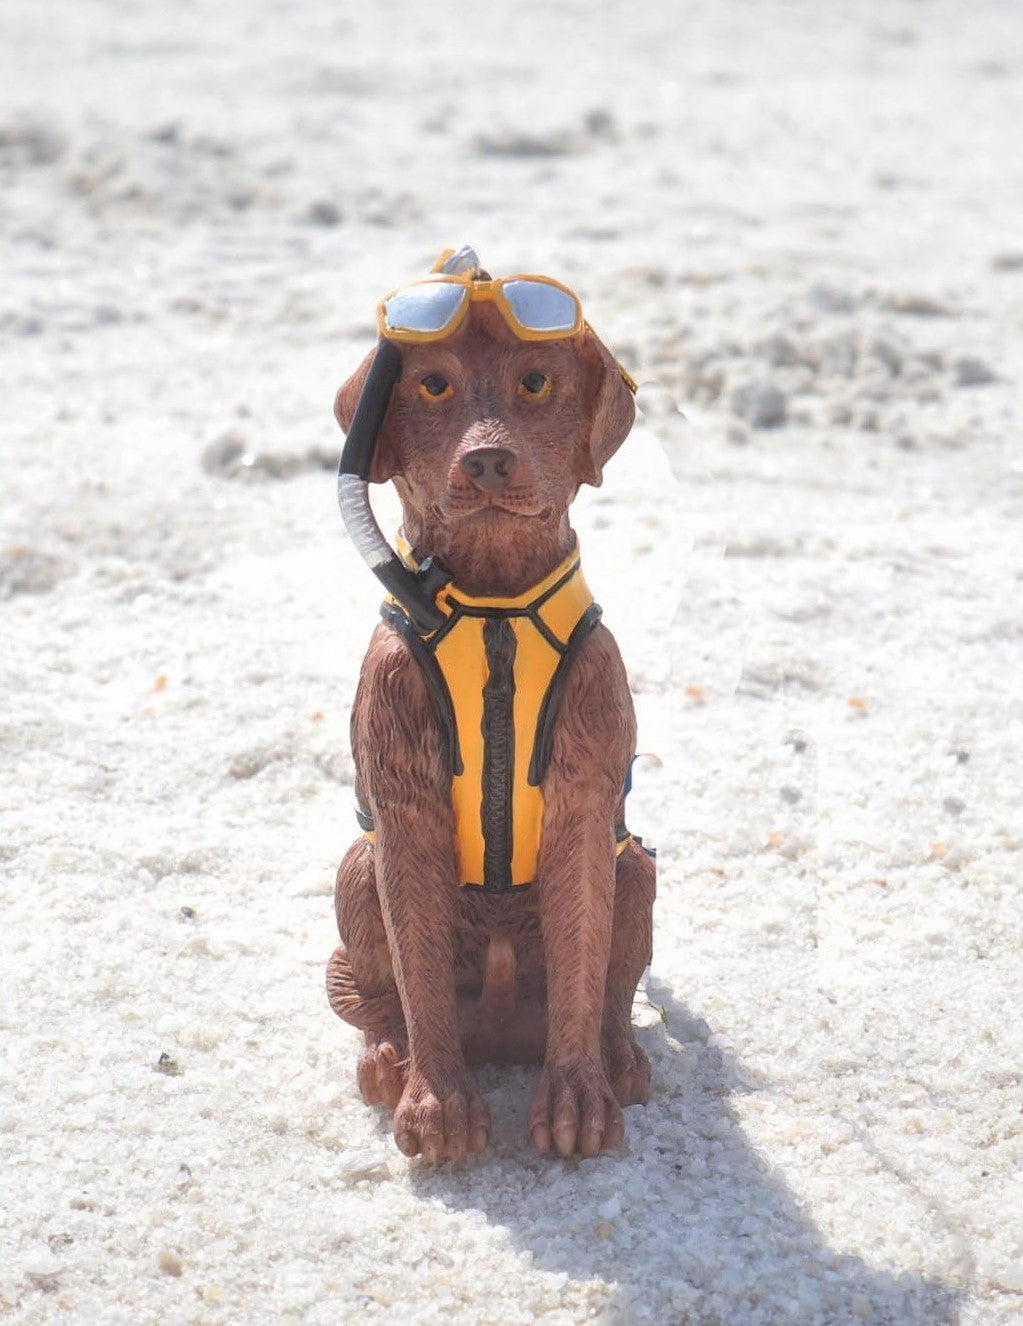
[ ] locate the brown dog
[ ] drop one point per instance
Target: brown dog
(487, 438)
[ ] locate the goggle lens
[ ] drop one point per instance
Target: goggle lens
(538, 307)
(426, 308)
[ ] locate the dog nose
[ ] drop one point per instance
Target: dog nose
(489, 468)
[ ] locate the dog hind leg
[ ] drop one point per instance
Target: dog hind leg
(360, 979)
(628, 1068)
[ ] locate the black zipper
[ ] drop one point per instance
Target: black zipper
(498, 729)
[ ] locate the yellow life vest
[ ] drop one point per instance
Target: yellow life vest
(496, 669)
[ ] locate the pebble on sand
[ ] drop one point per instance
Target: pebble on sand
(39, 1263)
(170, 1263)
(762, 404)
(917, 305)
(29, 571)
(324, 213)
(971, 371)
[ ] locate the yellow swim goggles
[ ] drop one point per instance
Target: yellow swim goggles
(536, 308)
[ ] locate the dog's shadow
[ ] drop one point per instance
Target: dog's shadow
(688, 1224)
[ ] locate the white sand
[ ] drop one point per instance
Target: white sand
(199, 206)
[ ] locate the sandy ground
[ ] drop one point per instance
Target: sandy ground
(804, 221)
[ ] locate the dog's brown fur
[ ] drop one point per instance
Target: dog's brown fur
(438, 976)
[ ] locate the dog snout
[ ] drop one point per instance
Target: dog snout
(489, 468)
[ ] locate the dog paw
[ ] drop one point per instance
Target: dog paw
(574, 1109)
(628, 1068)
(441, 1119)
(382, 1072)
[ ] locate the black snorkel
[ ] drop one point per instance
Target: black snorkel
(415, 590)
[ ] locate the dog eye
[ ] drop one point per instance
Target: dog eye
(535, 385)
(435, 387)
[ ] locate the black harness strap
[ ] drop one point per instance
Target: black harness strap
(435, 682)
(544, 739)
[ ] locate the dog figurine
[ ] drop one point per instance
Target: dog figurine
(495, 907)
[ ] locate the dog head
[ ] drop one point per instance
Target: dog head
(485, 430)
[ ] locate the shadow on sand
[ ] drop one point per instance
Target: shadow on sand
(689, 1226)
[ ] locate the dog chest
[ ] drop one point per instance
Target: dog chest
(496, 669)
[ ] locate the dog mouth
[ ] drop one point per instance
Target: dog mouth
(493, 514)
(491, 509)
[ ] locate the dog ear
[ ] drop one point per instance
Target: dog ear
(611, 410)
(385, 452)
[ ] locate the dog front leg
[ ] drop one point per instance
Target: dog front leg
(402, 772)
(441, 1112)
(574, 1108)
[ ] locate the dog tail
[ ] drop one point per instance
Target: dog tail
(498, 996)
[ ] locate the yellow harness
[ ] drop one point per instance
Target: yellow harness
(496, 669)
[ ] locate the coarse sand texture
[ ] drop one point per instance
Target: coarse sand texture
(801, 223)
